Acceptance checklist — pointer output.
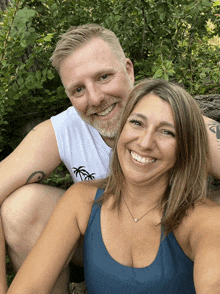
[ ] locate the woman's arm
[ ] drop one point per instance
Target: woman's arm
(56, 245)
(205, 244)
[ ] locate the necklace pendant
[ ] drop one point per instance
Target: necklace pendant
(135, 219)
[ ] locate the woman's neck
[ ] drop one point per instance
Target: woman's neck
(149, 195)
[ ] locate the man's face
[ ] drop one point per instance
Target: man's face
(98, 85)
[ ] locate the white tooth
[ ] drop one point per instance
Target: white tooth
(141, 159)
(106, 111)
(150, 161)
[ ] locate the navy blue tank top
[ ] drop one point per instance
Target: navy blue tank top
(170, 273)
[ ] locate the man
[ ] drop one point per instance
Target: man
(97, 78)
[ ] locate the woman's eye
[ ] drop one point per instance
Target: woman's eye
(135, 122)
(168, 133)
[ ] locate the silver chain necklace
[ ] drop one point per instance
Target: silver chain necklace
(136, 219)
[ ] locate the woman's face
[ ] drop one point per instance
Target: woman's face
(147, 145)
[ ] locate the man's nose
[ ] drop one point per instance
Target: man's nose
(94, 95)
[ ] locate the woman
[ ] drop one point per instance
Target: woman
(151, 229)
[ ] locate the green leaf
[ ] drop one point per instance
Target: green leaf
(206, 3)
(50, 74)
(14, 87)
(23, 43)
(23, 16)
(48, 38)
(20, 82)
(38, 75)
(4, 62)
(158, 74)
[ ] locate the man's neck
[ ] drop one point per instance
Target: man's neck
(109, 141)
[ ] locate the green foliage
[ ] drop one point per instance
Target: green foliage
(60, 178)
(165, 39)
(170, 40)
(10, 272)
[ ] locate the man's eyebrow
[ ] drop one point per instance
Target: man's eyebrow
(162, 123)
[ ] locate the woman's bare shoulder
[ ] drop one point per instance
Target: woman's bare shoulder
(85, 190)
(81, 197)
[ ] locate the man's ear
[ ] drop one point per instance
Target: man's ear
(129, 69)
(66, 92)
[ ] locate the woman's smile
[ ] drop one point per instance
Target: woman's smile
(142, 159)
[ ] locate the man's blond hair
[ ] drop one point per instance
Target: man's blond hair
(78, 36)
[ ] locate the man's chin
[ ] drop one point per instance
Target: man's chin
(105, 133)
(108, 130)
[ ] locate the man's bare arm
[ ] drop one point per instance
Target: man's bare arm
(32, 161)
(213, 129)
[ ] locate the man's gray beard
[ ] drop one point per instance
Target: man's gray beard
(102, 131)
(108, 134)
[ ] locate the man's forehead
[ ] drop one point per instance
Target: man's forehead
(91, 52)
(94, 45)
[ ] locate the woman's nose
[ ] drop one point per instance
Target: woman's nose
(147, 140)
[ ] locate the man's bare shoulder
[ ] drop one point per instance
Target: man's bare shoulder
(43, 126)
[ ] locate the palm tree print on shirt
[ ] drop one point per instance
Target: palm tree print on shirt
(83, 174)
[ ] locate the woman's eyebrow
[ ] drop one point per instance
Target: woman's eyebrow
(139, 115)
(166, 123)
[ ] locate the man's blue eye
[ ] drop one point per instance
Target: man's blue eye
(79, 89)
(104, 77)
